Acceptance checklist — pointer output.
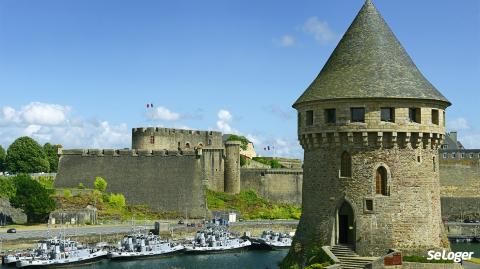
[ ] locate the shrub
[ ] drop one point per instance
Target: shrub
(240, 138)
(100, 184)
(67, 193)
(117, 200)
(81, 186)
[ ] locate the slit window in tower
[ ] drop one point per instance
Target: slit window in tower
(357, 114)
(152, 139)
(309, 118)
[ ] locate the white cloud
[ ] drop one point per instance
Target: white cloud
(163, 113)
(36, 113)
(319, 30)
(53, 123)
(224, 120)
(286, 41)
(458, 124)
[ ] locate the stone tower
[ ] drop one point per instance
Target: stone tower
(232, 167)
(370, 125)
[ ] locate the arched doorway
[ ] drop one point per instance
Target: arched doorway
(346, 225)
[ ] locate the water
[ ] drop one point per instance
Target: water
(467, 247)
(240, 260)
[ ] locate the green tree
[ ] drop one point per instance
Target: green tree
(240, 138)
(51, 152)
(33, 198)
(25, 155)
(100, 184)
(117, 200)
(2, 159)
(7, 188)
(67, 193)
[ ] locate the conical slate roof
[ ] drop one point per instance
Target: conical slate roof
(369, 62)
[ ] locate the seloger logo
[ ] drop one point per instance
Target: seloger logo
(449, 256)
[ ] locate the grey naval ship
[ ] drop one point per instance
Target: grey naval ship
(61, 253)
(141, 245)
(215, 239)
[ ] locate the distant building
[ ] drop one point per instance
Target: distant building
(453, 151)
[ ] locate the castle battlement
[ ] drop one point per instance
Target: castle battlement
(124, 152)
(375, 139)
(172, 131)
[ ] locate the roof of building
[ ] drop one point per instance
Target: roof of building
(370, 62)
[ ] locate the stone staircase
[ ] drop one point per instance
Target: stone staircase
(349, 259)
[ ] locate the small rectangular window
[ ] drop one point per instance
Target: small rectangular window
(152, 139)
(435, 117)
(414, 115)
(462, 155)
(330, 115)
(387, 114)
(357, 114)
(471, 155)
(445, 155)
(454, 155)
(309, 118)
(368, 205)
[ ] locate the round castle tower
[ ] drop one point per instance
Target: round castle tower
(371, 126)
(232, 167)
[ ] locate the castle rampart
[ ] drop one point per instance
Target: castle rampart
(163, 180)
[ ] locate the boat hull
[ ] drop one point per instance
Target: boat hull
(62, 263)
(213, 250)
(140, 256)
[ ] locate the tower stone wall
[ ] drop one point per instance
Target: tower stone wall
(232, 167)
(371, 126)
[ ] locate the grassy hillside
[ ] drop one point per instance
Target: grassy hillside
(251, 205)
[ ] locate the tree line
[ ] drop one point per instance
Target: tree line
(25, 155)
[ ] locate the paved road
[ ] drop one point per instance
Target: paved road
(97, 230)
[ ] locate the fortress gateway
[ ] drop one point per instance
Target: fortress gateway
(371, 126)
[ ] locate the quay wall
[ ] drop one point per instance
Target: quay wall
(276, 185)
(460, 208)
(164, 180)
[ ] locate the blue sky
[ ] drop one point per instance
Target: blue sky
(79, 72)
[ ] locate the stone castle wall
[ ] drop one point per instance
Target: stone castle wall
(167, 181)
(232, 167)
(212, 163)
(276, 185)
(174, 139)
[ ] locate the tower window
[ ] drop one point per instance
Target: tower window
(346, 165)
(445, 155)
(330, 115)
(209, 142)
(187, 145)
(462, 155)
(434, 164)
(309, 118)
(435, 117)
(414, 115)
(454, 155)
(368, 205)
(152, 139)
(357, 114)
(387, 114)
(471, 155)
(381, 181)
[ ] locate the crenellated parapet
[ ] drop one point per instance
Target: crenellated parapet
(172, 131)
(125, 152)
(373, 140)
